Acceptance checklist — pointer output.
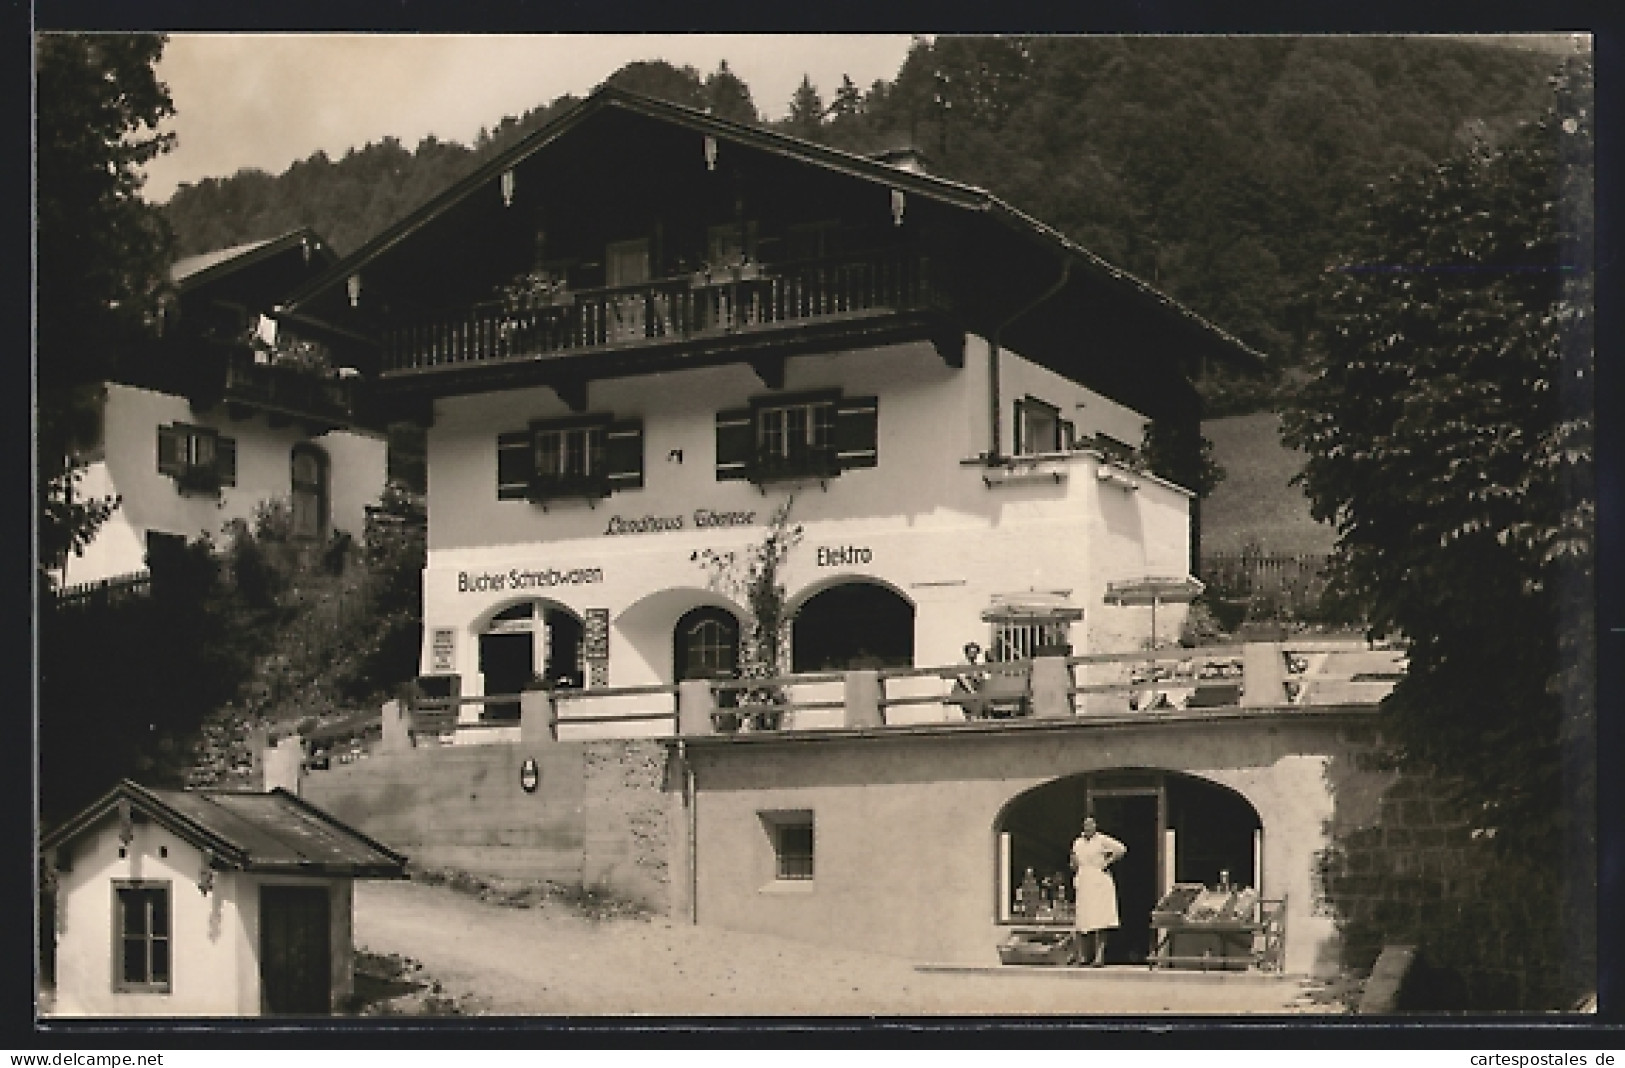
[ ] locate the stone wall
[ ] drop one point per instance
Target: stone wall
(596, 820)
(1488, 929)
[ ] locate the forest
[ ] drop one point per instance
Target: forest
(1222, 170)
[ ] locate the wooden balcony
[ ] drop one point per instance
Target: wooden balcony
(286, 393)
(747, 298)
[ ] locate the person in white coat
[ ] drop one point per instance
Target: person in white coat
(1096, 891)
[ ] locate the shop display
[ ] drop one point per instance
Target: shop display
(1222, 928)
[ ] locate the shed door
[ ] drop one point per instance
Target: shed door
(295, 963)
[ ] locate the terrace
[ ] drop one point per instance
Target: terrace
(1172, 685)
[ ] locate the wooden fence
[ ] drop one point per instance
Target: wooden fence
(1273, 585)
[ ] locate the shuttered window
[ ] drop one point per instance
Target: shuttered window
(810, 436)
(197, 457)
(736, 443)
(592, 456)
(857, 432)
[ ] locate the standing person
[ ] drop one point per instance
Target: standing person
(1095, 896)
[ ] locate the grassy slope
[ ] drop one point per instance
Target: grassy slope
(1256, 502)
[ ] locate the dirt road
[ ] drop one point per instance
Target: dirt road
(549, 960)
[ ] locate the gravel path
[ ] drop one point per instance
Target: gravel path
(548, 960)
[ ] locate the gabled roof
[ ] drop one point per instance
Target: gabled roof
(271, 832)
(192, 271)
(909, 181)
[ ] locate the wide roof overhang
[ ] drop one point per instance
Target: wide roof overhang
(1015, 279)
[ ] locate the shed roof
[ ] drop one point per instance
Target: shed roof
(273, 832)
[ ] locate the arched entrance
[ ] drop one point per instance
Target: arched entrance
(705, 644)
(853, 624)
(524, 640)
(308, 477)
(1177, 827)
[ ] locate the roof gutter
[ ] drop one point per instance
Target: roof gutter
(994, 403)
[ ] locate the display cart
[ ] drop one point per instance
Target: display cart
(1218, 929)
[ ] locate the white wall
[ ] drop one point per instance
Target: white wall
(214, 936)
(213, 971)
(127, 465)
(933, 529)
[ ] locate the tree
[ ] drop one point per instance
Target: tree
(1449, 435)
(806, 118)
(102, 251)
(728, 97)
(661, 80)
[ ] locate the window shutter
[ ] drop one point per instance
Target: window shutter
(623, 455)
(514, 465)
(857, 432)
(171, 451)
(225, 460)
(736, 443)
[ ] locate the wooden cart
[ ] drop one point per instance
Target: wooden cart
(1195, 927)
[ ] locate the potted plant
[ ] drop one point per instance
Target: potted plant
(753, 579)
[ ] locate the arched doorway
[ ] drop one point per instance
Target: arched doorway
(853, 624)
(1177, 827)
(308, 476)
(705, 644)
(524, 640)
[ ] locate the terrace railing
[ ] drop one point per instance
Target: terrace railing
(1175, 683)
(709, 303)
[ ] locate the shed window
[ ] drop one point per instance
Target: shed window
(141, 941)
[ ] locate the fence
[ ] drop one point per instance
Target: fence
(1179, 682)
(1270, 585)
(105, 591)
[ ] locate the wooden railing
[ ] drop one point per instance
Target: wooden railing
(1175, 682)
(671, 309)
(286, 390)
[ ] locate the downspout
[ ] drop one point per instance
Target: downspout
(993, 399)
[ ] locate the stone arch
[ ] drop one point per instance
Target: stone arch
(523, 638)
(644, 631)
(1179, 828)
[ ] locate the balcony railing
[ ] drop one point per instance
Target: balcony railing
(286, 390)
(673, 309)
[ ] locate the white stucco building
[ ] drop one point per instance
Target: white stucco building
(204, 427)
(639, 332)
(208, 903)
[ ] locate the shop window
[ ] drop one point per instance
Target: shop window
(808, 436)
(141, 942)
(198, 458)
(792, 836)
(706, 644)
(1040, 428)
(588, 458)
(1023, 641)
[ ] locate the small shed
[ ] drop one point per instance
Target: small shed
(203, 903)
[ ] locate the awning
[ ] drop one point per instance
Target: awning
(1153, 590)
(1032, 606)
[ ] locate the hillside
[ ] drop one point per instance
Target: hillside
(1220, 169)
(1256, 503)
